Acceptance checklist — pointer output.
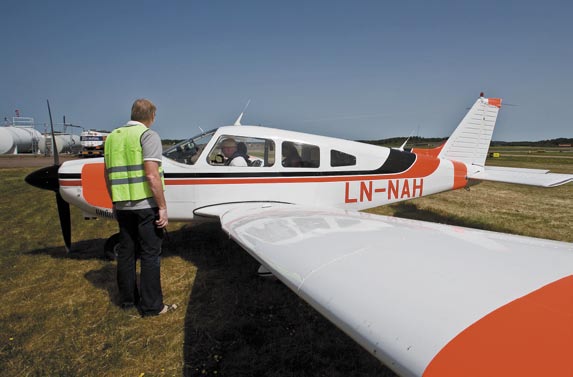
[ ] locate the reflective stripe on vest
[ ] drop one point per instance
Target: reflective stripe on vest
(124, 164)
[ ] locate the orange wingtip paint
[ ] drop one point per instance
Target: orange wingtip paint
(93, 184)
(531, 336)
(494, 102)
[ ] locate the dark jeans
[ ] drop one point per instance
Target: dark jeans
(138, 234)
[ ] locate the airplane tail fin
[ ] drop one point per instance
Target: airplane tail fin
(470, 141)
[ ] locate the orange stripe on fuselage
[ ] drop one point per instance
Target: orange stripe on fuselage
(460, 175)
(530, 336)
(71, 183)
(433, 152)
(93, 186)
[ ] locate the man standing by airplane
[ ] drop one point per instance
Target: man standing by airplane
(134, 178)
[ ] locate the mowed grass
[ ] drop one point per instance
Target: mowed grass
(60, 316)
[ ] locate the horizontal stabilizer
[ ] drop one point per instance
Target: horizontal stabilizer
(532, 177)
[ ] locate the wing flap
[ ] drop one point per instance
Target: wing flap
(533, 177)
(403, 289)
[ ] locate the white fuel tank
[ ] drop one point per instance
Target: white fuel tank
(66, 143)
(18, 139)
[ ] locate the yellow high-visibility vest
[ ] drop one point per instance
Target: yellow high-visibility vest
(124, 164)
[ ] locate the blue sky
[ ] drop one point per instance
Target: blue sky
(350, 69)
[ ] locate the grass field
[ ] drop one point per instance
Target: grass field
(60, 316)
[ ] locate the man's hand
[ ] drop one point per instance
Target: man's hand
(162, 221)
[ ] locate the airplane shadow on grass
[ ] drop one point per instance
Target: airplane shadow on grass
(84, 249)
(238, 324)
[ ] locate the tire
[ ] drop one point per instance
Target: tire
(110, 247)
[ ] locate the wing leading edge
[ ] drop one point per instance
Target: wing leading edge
(419, 295)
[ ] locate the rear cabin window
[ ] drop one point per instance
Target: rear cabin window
(254, 152)
(338, 158)
(300, 155)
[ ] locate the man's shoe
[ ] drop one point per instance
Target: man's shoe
(167, 308)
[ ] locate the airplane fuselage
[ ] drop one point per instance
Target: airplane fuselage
(370, 175)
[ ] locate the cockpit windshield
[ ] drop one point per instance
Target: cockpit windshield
(189, 151)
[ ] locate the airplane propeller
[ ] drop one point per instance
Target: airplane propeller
(47, 179)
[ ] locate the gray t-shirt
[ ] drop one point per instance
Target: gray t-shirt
(152, 151)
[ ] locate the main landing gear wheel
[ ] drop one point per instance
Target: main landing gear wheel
(111, 247)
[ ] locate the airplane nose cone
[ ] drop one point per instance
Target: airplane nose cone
(45, 178)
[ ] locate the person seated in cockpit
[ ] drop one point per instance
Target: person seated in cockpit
(198, 151)
(234, 157)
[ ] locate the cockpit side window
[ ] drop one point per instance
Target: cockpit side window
(300, 155)
(242, 151)
(189, 151)
(338, 158)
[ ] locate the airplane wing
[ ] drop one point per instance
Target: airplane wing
(425, 299)
(534, 177)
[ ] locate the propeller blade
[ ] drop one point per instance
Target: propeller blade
(54, 146)
(65, 220)
(47, 179)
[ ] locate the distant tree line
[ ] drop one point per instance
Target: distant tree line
(170, 142)
(414, 141)
(417, 141)
(542, 143)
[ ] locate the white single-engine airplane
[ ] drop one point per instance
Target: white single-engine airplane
(425, 299)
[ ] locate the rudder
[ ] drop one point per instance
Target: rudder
(470, 141)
